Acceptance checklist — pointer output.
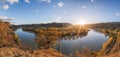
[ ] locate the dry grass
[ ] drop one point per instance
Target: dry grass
(15, 52)
(7, 37)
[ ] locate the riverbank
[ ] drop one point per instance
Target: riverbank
(10, 46)
(111, 48)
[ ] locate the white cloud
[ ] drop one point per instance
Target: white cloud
(48, 1)
(57, 18)
(13, 1)
(93, 0)
(5, 6)
(117, 14)
(84, 7)
(60, 4)
(5, 18)
(27, 1)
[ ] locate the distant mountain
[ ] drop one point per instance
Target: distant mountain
(108, 25)
(43, 25)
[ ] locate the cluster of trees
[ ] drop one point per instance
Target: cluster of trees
(59, 32)
(47, 37)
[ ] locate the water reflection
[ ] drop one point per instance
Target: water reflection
(92, 40)
(76, 36)
(47, 41)
(26, 38)
(44, 42)
(68, 44)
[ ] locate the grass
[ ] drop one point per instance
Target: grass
(16, 52)
(7, 37)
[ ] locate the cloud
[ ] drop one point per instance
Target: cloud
(48, 1)
(93, 0)
(5, 18)
(9, 1)
(84, 7)
(5, 6)
(57, 18)
(60, 4)
(13, 1)
(5, 3)
(117, 14)
(27, 1)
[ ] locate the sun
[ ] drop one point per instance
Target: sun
(82, 22)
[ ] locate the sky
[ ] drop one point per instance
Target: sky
(71, 11)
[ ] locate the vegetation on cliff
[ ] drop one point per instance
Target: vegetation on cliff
(10, 45)
(7, 36)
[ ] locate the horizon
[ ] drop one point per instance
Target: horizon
(65, 22)
(60, 11)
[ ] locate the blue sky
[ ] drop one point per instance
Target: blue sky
(72, 11)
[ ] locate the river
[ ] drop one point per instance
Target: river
(92, 40)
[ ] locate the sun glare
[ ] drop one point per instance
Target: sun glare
(82, 22)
